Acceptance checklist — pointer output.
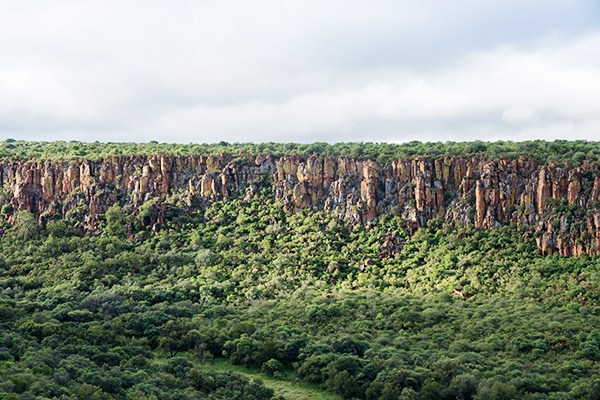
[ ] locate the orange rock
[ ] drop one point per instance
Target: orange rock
(544, 190)
(495, 192)
(574, 188)
(480, 208)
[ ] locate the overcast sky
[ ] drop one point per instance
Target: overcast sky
(299, 71)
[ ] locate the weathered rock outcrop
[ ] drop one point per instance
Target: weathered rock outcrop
(557, 203)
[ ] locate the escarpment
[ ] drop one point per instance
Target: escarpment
(557, 204)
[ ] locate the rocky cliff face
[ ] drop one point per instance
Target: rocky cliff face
(556, 203)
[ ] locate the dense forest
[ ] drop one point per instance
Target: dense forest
(240, 297)
(573, 152)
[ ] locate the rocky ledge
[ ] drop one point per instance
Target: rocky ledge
(557, 204)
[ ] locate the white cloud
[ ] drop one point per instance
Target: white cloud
(519, 114)
(494, 93)
(339, 70)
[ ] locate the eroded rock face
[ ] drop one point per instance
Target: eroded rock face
(464, 191)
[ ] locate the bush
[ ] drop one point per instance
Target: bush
(272, 368)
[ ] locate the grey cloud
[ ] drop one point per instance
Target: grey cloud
(298, 71)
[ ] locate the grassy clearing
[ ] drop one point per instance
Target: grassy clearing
(288, 389)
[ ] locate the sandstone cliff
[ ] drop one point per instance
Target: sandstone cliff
(555, 203)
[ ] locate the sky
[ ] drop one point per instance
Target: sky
(299, 71)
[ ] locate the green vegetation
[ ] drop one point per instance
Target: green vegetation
(241, 300)
(96, 316)
(575, 152)
(285, 385)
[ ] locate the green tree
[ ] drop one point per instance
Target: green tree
(464, 386)
(115, 222)
(345, 385)
(26, 226)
